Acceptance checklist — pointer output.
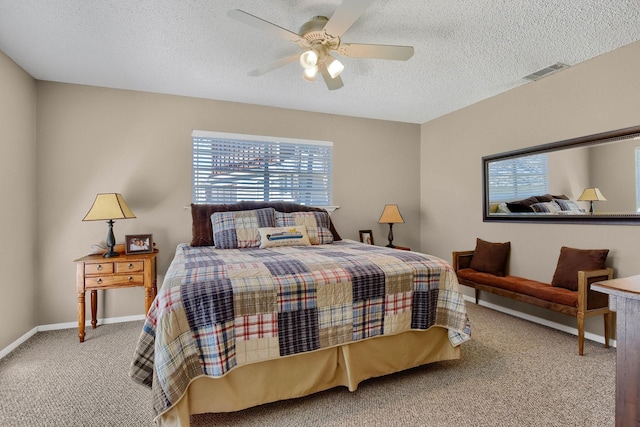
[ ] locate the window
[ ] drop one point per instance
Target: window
(518, 178)
(228, 168)
(637, 149)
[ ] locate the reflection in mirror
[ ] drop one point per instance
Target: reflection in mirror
(548, 182)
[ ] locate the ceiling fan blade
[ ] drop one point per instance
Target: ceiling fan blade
(332, 83)
(345, 15)
(273, 65)
(263, 25)
(379, 51)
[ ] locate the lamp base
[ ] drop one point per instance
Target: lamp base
(111, 242)
(390, 236)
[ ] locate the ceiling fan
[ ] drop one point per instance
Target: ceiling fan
(319, 38)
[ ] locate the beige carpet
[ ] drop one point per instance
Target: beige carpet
(513, 373)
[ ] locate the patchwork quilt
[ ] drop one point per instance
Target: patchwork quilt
(219, 309)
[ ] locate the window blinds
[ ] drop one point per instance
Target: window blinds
(518, 178)
(228, 168)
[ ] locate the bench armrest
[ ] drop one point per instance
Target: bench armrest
(461, 259)
(587, 298)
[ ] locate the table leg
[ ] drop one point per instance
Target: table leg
(94, 308)
(81, 316)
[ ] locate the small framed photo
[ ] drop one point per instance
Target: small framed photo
(366, 236)
(138, 244)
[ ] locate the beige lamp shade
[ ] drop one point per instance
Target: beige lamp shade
(391, 215)
(591, 194)
(108, 206)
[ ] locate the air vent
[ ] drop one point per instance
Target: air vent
(546, 71)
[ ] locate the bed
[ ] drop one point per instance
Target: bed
(267, 303)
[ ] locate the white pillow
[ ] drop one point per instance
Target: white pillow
(272, 237)
(546, 207)
(502, 208)
(569, 206)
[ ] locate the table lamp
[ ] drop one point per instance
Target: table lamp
(391, 215)
(107, 207)
(590, 195)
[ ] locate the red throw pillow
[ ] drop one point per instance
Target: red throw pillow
(572, 260)
(490, 257)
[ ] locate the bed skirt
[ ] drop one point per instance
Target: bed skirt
(307, 373)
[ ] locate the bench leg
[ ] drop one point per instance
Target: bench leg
(607, 322)
(580, 335)
(477, 295)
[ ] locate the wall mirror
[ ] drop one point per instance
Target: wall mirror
(556, 175)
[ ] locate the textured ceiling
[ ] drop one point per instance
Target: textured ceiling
(465, 50)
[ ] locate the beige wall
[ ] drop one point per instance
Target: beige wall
(93, 140)
(18, 193)
(569, 172)
(595, 96)
(615, 176)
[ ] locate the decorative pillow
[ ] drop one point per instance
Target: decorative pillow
(522, 206)
(573, 260)
(545, 207)
(271, 237)
(568, 206)
(490, 257)
(502, 208)
(317, 224)
(239, 229)
(544, 198)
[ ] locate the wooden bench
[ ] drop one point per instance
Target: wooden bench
(580, 304)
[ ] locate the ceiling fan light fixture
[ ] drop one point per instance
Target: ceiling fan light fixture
(309, 59)
(319, 38)
(334, 67)
(310, 74)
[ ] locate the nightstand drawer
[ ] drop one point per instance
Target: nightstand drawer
(124, 279)
(129, 266)
(101, 268)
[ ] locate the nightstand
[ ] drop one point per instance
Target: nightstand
(94, 272)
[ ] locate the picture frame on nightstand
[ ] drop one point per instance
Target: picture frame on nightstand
(366, 236)
(138, 244)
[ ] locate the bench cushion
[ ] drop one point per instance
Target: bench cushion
(522, 286)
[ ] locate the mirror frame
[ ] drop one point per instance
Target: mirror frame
(583, 141)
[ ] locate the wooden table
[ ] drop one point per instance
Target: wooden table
(625, 301)
(94, 272)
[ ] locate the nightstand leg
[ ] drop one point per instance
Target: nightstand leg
(81, 316)
(94, 308)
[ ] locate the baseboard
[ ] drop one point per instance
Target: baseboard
(5, 351)
(67, 325)
(564, 328)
